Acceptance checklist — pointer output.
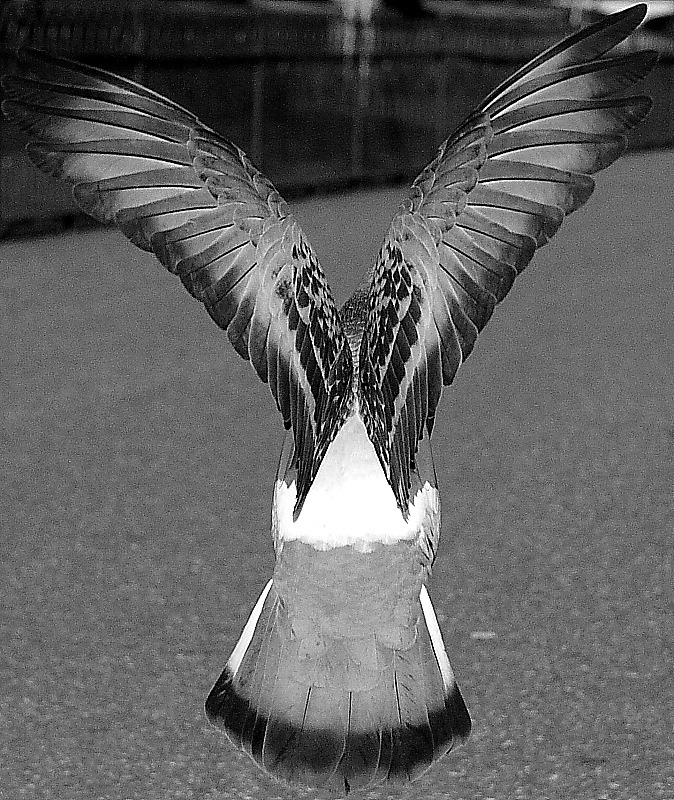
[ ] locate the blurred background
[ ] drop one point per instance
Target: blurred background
(321, 94)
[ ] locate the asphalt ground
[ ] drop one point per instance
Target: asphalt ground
(138, 456)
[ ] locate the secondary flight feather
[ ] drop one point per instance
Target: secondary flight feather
(340, 678)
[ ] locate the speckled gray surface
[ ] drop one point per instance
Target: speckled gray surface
(137, 464)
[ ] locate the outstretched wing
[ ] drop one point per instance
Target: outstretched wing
(178, 189)
(498, 188)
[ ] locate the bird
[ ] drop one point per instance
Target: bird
(341, 679)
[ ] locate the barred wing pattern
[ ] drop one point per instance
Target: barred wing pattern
(498, 189)
(176, 188)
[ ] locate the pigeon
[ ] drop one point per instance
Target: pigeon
(341, 679)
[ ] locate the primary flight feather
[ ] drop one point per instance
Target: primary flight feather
(340, 678)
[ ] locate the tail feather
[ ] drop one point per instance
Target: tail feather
(235, 714)
(368, 752)
(441, 717)
(340, 714)
(315, 753)
(306, 735)
(263, 679)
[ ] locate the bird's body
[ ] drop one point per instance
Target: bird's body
(343, 660)
(350, 501)
(340, 678)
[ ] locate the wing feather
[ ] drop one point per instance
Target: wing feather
(498, 189)
(178, 189)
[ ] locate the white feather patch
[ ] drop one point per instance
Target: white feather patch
(234, 661)
(350, 501)
(436, 639)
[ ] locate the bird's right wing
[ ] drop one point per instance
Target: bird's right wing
(175, 187)
(497, 190)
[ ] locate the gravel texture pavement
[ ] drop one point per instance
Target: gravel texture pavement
(138, 456)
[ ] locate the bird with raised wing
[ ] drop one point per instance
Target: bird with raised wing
(340, 678)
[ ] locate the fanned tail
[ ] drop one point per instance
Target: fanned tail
(340, 714)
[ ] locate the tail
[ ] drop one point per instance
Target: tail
(338, 714)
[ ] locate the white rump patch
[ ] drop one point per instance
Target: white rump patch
(350, 501)
(234, 661)
(436, 639)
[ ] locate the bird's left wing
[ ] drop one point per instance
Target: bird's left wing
(178, 189)
(498, 188)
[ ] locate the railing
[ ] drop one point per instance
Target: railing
(316, 101)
